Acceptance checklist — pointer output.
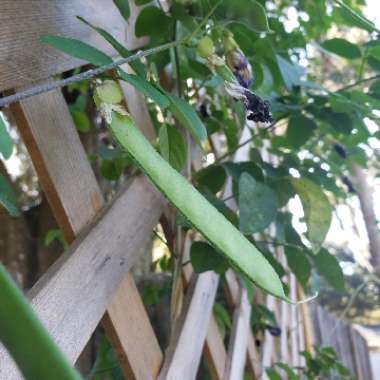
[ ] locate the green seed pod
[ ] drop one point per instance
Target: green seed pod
(206, 47)
(203, 216)
(108, 92)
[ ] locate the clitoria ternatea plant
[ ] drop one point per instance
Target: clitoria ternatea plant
(26, 339)
(202, 215)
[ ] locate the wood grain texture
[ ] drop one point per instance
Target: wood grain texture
(237, 349)
(213, 349)
(24, 59)
(185, 350)
(232, 289)
(128, 330)
(64, 172)
(72, 296)
(69, 183)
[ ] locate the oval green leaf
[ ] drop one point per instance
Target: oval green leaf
(342, 47)
(172, 146)
(317, 210)
(77, 49)
(6, 142)
(187, 116)
(8, 197)
(258, 205)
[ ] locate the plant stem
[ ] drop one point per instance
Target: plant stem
(229, 153)
(360, 81)
(85, 75)
(203, 22)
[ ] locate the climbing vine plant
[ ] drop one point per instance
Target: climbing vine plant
(232, 65)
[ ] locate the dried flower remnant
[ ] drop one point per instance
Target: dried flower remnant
(238, 62)
(237, 76)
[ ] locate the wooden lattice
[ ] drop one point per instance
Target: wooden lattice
(90, 282)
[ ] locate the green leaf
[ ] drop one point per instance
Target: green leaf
(317, 210)
(113, 169)
(272, 374)
(258, 17)
(172, 146)
(26, 339)
(187, 116)
(154, 22)
(300, 129)
(342, 47)
(204, 257)
(6, 142)
(374, 52)
(136, 65)
(289, 371)
(196, 209)
(328, 267)
(213, 178)
(354, 18)
(258, 205)
(81, 121)
(77, 49)
(55, 234)
(7, 196)
(247, 12)
(146, 88)
(236, 169)
(299, 264)
(123, 7)
(291, 72)
(222, 318)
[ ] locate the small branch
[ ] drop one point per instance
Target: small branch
(229, 153)
(86, 75)
(359, 82)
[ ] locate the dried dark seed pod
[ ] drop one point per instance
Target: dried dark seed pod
(257, 109)
(274, 331)
(348, 183)
(203, 111)
(339, 149)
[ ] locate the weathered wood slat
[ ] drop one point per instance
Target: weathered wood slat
(233, 292)
(236, 358)
(58, 156)
(72, 296)
(24, 59)
(74, 195)
(214, 350)
(185, 350)
(128, 328)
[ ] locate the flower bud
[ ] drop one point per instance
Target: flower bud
(206, 47)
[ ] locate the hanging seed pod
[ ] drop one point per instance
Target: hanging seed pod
(237, 61)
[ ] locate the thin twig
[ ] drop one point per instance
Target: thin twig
(360, 81)
(229, 153)
(82, 76)
(204, 21)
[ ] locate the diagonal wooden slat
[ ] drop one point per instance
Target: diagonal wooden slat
(24, 59)
(232, 289)
(185, 350)
(71, 188)
(238, 345)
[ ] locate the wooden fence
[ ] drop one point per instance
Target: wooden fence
(90, 282)
(350, 346)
